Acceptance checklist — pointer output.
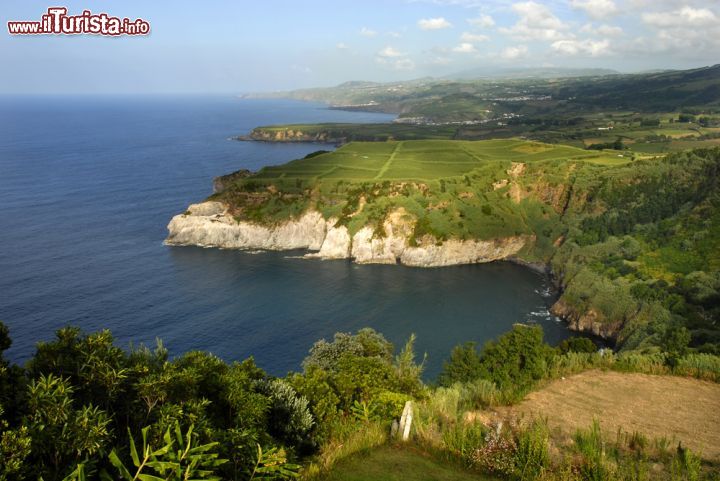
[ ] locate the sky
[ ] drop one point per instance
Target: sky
(242, 46)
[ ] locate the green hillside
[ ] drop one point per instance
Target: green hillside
(477, 99)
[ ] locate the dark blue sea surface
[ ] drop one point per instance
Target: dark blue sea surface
(88, 185)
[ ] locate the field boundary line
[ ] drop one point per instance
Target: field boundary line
(388, 162)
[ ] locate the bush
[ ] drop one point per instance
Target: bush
(389, 405)
(289, 416)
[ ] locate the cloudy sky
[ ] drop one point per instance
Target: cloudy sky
(240, 46)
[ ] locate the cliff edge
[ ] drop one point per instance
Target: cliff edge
(209, 224)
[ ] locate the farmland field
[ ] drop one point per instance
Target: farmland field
(425, 160)
(657, 406)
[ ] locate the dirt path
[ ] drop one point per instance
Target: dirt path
(389, 161)
(685, 409)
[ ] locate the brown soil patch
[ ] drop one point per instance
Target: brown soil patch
(656, 406)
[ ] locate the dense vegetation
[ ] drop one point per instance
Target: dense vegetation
(83, 408)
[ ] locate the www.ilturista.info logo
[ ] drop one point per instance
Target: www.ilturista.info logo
(57, 22)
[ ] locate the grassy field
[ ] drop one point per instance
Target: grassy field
(425, 160)
(399, 463)
(656, 406)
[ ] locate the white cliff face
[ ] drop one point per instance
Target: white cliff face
(208, 224)
(336, 244)
(454, 252)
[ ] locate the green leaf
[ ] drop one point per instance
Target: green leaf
(149, 477)
(133, 449)
(115, 461)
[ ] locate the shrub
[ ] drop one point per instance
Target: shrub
(496, 455)
(289, 416)
(389, 405)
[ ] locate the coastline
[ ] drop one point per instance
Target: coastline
(208, 224)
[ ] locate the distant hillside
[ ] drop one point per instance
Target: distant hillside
(662, 91)
(545, 73)
(529, 93)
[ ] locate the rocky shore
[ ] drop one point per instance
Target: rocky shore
(209, 224)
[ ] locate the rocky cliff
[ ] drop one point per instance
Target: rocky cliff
(210, 225)
(588, 321)
(291, 135)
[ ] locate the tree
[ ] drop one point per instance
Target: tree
(408, 371)
(463, 365)
(366, 343)
(675, 343)
(62, 435)
(577, 344)
(517, 359)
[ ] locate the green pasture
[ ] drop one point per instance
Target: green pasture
(427, 160)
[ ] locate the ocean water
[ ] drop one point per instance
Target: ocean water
(88, 185)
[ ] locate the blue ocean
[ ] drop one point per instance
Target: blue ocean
(88, 185)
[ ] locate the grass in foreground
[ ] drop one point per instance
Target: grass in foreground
(399, 463)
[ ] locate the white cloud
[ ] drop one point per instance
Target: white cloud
(593, 48)
(465, 47)
(684, 17)
(483, 21)
(395, 34)
(341, 46)
(439, 61)
(473, 37)
(366, 32)
(301, 68)
(390, 52)
(596, 8)
(536, 22)
(404, 64)
(437, 23)
(604, 30)
(512, 53)
(687, 32)
(394, 59)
